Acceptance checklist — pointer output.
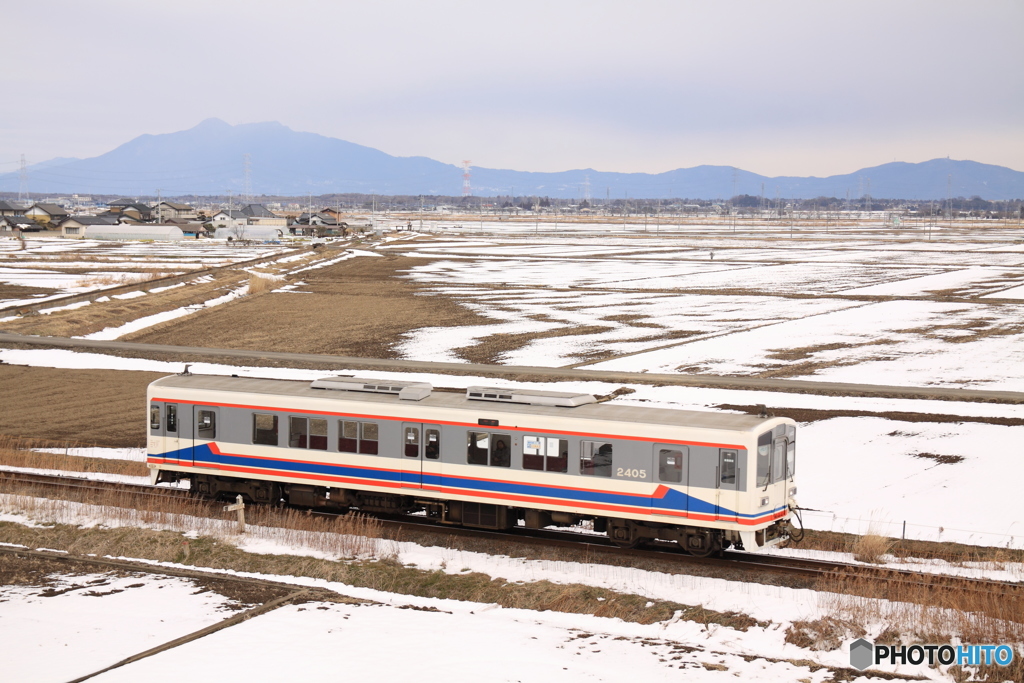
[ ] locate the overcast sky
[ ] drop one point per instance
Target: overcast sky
(794, 88)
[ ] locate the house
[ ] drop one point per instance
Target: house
(193, 231)
(74, 226)
(174, 210)
(135, 210)
(261, 215)
(46, 213)
(229, 218)
(7, 209)
(14, 225)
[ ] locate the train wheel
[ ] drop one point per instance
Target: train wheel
(623, 534)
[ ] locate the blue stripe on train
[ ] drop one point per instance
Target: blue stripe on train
(671, 500)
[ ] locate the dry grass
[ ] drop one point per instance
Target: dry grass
(13, 453)
(871, 548)
(918, 613)
(122, 279)
(259, 284)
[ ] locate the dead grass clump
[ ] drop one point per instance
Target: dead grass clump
(71, 463)
(871, 547)
(932, 610)
(118, 279)
(260, 283)
(941, 459)
(827, 633)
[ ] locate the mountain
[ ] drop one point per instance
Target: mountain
(209, 159)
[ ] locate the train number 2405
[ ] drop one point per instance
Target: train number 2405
(631, 474)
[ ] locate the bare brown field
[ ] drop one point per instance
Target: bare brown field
(21, 291)
(83, 407)
(356, 308)
(99, 315)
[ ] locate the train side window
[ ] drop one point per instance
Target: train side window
(764, 461)
(727, 477)
(172, 418)
(670, 465)
(558, 455)
(298, 432)
(533, 452)
(368, 438)
(501, 450)
(264, 429)
(596, 458)
(412, 442)
(432, 451)
(348, 436)
(318, 434)
(154, 416)
(207, 424)
(477, 446)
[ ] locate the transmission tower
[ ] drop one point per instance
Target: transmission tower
(586, 189)
(247, 171)
(466, 189)
(22, 179)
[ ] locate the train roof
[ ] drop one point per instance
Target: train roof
(608, 411)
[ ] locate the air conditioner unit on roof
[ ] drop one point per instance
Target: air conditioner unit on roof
(409, 391)
(563, 399)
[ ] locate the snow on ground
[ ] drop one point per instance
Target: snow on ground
(84, 623)
(134, 454)
(892, 485)
(157, 318)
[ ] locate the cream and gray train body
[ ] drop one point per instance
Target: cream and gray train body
(487, 458)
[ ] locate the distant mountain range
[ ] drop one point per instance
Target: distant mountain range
(209, 159)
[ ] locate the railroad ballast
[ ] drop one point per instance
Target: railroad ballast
(489, 458)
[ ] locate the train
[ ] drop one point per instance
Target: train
(485, 457)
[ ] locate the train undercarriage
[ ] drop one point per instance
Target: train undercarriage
(626, 533)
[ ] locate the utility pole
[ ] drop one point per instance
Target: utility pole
(159, 208)
(247, 174)
(22, 180)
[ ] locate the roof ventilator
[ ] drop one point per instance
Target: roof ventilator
(563, 399)
(408, 391)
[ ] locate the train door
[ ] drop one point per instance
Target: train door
(171, 433)
(728, 476)
(412, 455)
(204, 431)
(672, 468)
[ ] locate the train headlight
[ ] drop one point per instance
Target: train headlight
(792, 492)
(764, 501)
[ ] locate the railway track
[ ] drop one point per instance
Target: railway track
(593, 545)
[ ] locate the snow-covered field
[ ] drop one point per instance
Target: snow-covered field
(75, 266)
(858, 309)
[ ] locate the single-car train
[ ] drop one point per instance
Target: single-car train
(489, 458)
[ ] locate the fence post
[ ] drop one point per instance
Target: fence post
(239, 507)
(904, 530)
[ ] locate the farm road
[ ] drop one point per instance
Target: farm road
(522, 373)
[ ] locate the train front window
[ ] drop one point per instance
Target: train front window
(154, 416)
(764, 459)
(172, 418)
(779, 460)
(791, 452)
(264, 429)
(670, 465)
